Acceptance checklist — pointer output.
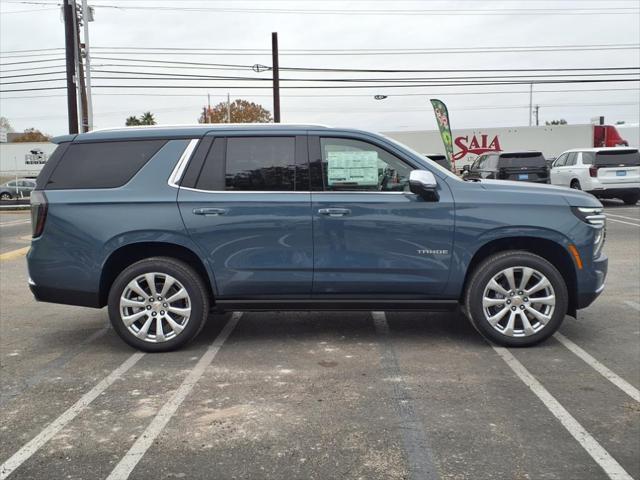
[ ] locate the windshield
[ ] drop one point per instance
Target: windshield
(402, 146)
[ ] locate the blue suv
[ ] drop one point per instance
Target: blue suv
(163, 224)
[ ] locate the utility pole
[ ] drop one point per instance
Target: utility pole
(537, 111)
(530, 103)
(87, 16)
(228, 108)
(276, 77)
(72, 101)
(80, 72)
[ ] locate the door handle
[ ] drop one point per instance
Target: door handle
(209, 211)
(334, 212)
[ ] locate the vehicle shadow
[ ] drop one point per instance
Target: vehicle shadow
(614, 203)
(358, 326)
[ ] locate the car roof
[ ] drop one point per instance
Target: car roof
(601, 149)
(179, 131)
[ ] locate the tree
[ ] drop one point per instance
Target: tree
(242, 111)
(132, 121)
(32, 135)
(4, 124)
(562, 121)
(146, 118)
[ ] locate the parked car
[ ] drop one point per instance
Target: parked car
(519, 166)
(161, 224)
(22, 187)
(440, 159)
(603, 172)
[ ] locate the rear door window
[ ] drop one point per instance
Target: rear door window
(620, 158)
(571, 159)
(251, 164)
(260, 163)
(101, 165)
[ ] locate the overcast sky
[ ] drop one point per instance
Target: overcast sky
(38, 27)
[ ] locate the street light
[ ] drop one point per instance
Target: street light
(380, 97)
(260, 68)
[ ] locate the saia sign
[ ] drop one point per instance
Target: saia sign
(475, 146)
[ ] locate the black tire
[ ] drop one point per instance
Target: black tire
(631, 199)
(185, 275)
(5, 196)
(575, 184)
(490, 267)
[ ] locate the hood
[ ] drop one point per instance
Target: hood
(574, 198)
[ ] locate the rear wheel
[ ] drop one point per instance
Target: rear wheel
(158, 304)
(516, 298)
(5, 196)
(631, 199)
(575, 184)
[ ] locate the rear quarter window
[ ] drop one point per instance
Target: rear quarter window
(101, 164)
(622, 158)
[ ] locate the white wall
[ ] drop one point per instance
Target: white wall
(18, 159)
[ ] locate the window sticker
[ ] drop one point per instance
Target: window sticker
(352, 167)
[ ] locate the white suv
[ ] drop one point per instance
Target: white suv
(603, 172)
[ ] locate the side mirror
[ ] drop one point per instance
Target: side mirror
(466, 168)
(423, 183)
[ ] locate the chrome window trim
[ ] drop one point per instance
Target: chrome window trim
(182, 163)
(283, 191)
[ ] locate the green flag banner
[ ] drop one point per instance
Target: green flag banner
(442, 118)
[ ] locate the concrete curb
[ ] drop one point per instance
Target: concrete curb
(14, 207)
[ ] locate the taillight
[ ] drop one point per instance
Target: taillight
(593, 171)
(38, 212)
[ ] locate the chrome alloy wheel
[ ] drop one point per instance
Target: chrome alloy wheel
(518, 301)
(155, 307)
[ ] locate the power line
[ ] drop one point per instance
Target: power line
(365, 95)
(371, 87)
(394, 12)
(61, 59)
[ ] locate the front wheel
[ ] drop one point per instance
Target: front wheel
(5, 196)
(158, 304)
(516, 299)
(631, 199)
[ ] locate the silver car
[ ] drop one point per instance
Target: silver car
(19, 188)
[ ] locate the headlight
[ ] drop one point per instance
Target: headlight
(594, 216)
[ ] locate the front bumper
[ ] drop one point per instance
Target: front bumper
(591, 282)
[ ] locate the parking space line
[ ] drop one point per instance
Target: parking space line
(622, 216)
(414, 438)
(126, 465)
(635, 305)
(59, 423)
(620, 221)
(14, 253)
(610, 466)
(618, 381)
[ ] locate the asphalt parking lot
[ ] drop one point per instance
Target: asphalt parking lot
(368, 395)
